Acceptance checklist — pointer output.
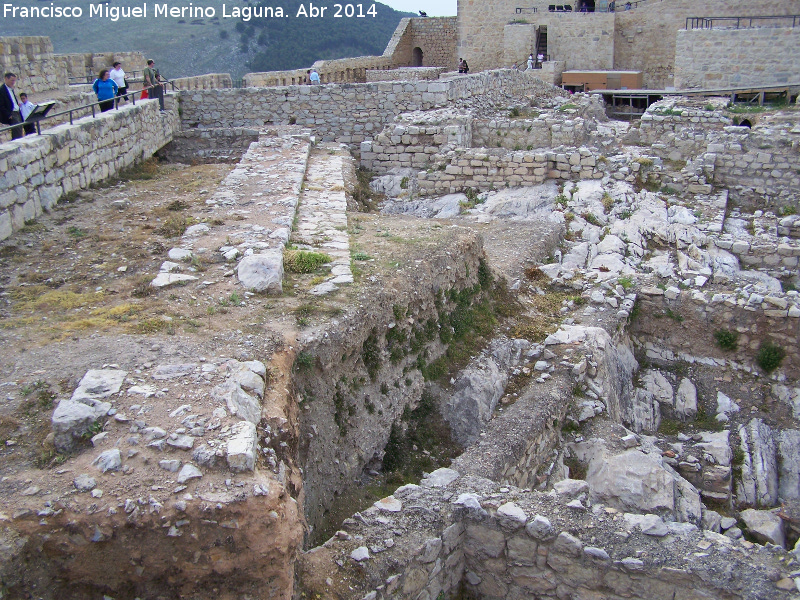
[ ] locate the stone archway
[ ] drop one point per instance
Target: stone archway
(416, 57)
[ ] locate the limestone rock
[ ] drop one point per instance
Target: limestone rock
(635, 481)
(789, 461)
(661, 388)
(188, 472)
(648, 524)
(440, 478)
(765, 526)
(84, 483)
(262, 272)
(110, 460)
(241, 449)
(571, 487)
(686, 399)
(97, 384)
(71, 420)
(759, 469)
(539, 528)
(511, 516)
(389, 504)
(238, 401)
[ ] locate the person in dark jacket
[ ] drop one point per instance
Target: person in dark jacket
(106, 90)
(9, 105)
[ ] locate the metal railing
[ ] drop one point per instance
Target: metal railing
(90, 77)
(742, 22)
(84, 107)
(526, 10)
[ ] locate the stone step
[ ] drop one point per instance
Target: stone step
(322, 215)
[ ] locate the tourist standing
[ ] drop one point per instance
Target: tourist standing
(26, 107)
(118, 77)
(530, 62)
(152, 80)
(9, 105)
(460, 65)
(313, 77)
(105, 89)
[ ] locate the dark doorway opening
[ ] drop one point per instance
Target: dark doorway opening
(416, 57)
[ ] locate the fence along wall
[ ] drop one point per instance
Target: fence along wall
(721, 58)
(347, 113)
(38, 170)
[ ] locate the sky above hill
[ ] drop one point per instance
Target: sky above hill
(434, 8)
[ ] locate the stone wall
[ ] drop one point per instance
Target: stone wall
(31, 59)
(760, 166)
(436, 37)
(86, 65)
(694, 316)
(203, 82)
(454, 536)
(723, 58)
(38, 170)
(209, 145)
(349, 113)
(404, 74)
(646, 37)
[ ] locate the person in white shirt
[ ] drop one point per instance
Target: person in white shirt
(118, 77)
(530, 62)
(25, 108)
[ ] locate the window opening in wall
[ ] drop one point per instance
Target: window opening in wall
(416, 57)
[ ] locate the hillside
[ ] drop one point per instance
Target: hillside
(222, 43)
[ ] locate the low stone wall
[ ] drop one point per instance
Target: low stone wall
(209, 145)
(694, 316)
(485, 169)
(203, 82)
(344, 70)
(755, 164)
(31, 59)
(462, 536)
(721, 58)
(38, 170)
(349, 113)
(405, 74)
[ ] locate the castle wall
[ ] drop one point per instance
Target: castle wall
(203, 82)
(31, 59)
(38, 170)
(349, 113)
(646, 36)
(404, 74)
(722, 58)
(436, 37)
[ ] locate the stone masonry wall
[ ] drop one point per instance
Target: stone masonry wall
(349, 113)
(721, 58)
(646, 37)
(436, 37)
(31, 59)
(754, 164)
(694, 316)
(404, 74)
(464, 536)
(203, 82)
(38, 170)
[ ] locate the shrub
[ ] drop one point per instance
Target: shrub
(304, 261)
(770, 356)
(726, 339)
(625, 282)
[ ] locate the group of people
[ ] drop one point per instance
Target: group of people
(15, 110)
(463, 67)
(111, 84)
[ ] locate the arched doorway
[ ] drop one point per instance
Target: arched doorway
(416, 57)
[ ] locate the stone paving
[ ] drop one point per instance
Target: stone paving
(322, 216)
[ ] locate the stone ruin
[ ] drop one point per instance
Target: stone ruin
(626, 423)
